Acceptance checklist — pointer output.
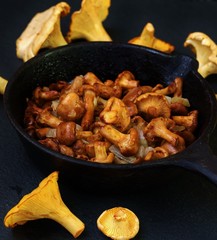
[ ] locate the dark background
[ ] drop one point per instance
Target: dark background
(183, 208)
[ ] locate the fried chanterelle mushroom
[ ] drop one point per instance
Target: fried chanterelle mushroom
(148, 39)
(206, 52)
(112, 121)
(43, 31)
(44, 202)
(118, 223)
(87, 22)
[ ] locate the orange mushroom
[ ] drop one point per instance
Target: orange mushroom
(148, 39)
(160, 128)
(42, 32)
(44, 202)
(116, 114)
(127, 143)
(87, 22)
(153, 105)
(118, 223)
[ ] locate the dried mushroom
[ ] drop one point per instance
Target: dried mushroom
(87, 22)
(3, 84)
(43, 31)
(148, 39)
(44, 202)
(205, 50)
(118, 223)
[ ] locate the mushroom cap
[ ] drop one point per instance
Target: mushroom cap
(118, 223)
(40, 29)
(206, 52)
(116, 113)
(26, 209)
(153, 105)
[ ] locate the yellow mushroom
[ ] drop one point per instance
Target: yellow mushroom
(44, 202)
(43, 31)
(3, 84)
(101, 155)
(148, 39)
(118, 223)
(87, 22)
(206, 52)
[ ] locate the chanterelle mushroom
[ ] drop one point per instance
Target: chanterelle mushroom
(3, 83)
(43, 31)
(101, 155)
(87, 22)
(148, 39)
(153, 105)
(160, 128)
(127, 143)
(116, 113)
(206, 52)
(44, 202)
(118, 223)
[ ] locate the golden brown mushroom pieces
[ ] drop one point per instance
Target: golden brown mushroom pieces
(190, 121)
(156, 153)
(126, 80)
(116, 114)
(70, 107)
(159, 128)
(90, 102)
(101, 154)
(118, 223)
(127, 143)
(46, 118)
(152, 105)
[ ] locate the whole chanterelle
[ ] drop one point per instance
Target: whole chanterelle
(205, 50)
(44, 202)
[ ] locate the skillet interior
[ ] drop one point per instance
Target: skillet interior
(106, 60)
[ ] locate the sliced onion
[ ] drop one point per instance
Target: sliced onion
(141, 152)
(54, 105)
(148, 149)
(51, 133)
(169, 99)
(181, 100)
(179, 128)
(119, 155)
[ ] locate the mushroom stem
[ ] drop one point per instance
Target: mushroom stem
(3, 84)
(127, 143)
(68, 220)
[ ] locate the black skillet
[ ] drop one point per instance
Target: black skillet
(106, 60)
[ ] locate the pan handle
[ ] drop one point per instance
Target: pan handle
(200, 158)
